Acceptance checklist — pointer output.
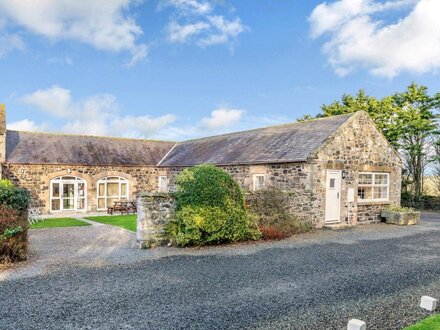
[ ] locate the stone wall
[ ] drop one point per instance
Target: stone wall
(154, 212)
(369, 213)
(291, 177)
(36, 178)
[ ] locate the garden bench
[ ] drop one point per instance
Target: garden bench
(122, 206)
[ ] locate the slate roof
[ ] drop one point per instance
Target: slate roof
(278, 144)
(43, 148)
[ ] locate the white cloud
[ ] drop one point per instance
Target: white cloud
(223, 31)
(136, 126)
(194, 20)
(101, 115)
(188, 6)
(222, 118)
(9, 43)
(27, 125)
(181, 33)
(103, 24)
(96, 115)
(358, 39)
(55, 101)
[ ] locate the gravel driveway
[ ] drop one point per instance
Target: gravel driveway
(94, 278)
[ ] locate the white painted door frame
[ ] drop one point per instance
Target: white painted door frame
(333, 196)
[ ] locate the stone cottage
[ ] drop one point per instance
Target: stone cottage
(340, 169)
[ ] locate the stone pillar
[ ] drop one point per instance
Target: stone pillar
(154, 212)
(2, 137)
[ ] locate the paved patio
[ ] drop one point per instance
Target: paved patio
(94, 278)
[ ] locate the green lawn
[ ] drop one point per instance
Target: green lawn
(430, 323)
(58, 222)
(124, 221)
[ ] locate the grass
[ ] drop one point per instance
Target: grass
(58, 222)
(431, 323)
(124, 221)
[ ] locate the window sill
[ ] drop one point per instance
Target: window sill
(374, 202)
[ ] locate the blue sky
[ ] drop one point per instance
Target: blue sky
(178, 69)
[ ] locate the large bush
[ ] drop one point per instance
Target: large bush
(210, 209)
(207, 185)
(275, 219)
(13, 222)
(14, 197)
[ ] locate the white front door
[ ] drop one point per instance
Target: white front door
(333, 196)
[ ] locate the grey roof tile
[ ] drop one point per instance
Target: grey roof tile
(285, 143)
(43, 148)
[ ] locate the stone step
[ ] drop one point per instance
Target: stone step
(337, 226)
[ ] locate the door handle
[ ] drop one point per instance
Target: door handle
(338, 195)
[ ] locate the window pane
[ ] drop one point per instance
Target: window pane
(111, 201)
(113, 178)
(81, 189)
(365, 192)
(124, 189)
(332, 183)
(101, 189)
(101, 203)
(55, 204)
(258, 182)
(381, 179)
(163, 184)
(81, 204)
(380, 193)
(68, 190)
(112, 189)
(68, 204)
(365, 178)
(55, 190)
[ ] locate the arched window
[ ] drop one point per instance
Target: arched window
(68, 193)
(111, 189)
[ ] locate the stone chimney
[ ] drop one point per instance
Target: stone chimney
(2, 135)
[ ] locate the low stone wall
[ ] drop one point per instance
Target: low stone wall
(154, 212)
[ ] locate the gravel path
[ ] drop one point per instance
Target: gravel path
(94, 278)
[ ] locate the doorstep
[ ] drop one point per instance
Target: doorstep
(336, 226)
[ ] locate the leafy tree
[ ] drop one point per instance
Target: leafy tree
(406, 119)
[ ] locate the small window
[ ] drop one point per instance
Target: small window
(162, 183)
(373, 186)
(258, 182)
(332, 183)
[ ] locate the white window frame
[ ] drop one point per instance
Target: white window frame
(105, 181)
(373, 184)
(162, 183)
(68, 179)
(255, 184)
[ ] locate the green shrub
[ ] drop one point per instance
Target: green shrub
(14, 197)
(200, 225)
(395, 208)
(210, 209)
(275, 219)
(207, 185)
